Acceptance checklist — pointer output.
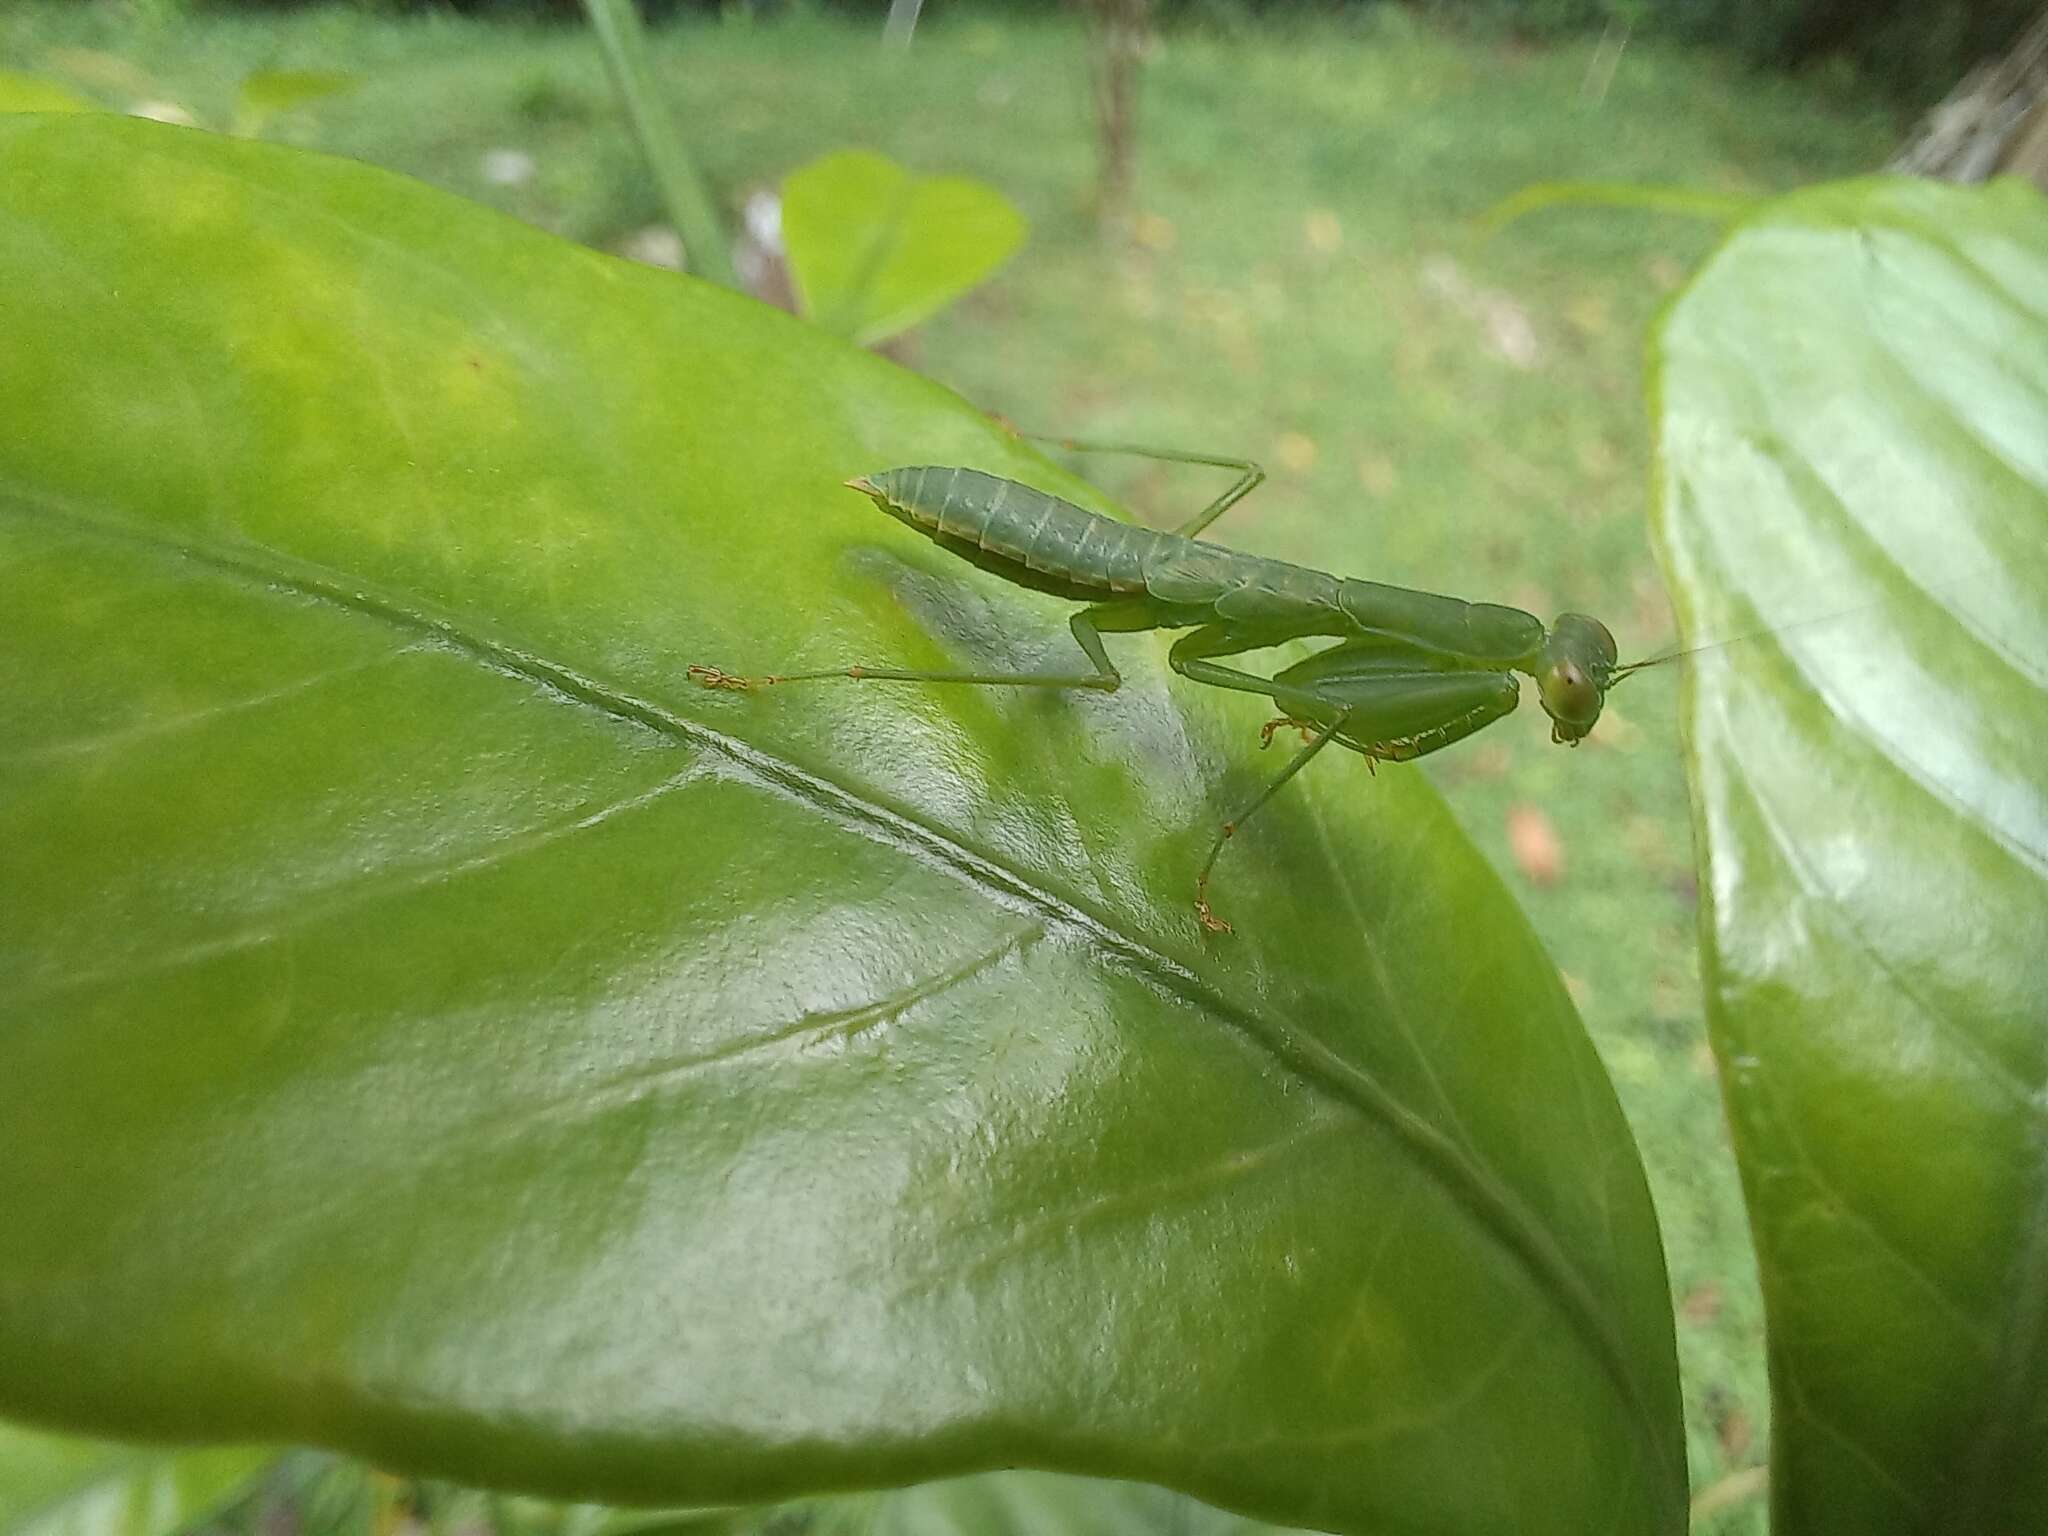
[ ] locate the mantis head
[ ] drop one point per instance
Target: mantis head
(1573, 670)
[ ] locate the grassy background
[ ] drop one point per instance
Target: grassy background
(1302, 284)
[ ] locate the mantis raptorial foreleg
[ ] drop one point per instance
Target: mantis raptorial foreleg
(1249, 474)
(1105, 677)
(1189, 656)
(1295, 764)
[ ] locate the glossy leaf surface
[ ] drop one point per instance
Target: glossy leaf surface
(875, 249)
(442, 1031)
(55, 1485)
(1855, 415)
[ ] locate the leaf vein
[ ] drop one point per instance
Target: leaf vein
(2021, 1093)
(152, 730)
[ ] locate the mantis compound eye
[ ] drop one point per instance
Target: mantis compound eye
(1570, 697)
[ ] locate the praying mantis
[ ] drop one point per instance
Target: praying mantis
(1410, 674)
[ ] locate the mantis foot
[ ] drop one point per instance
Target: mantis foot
(1306, 727)
(1204, 913)
(712, 677)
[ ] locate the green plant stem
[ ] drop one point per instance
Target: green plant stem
(682, 189)
(1690, 202)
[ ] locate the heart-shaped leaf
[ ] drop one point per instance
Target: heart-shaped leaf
(434, 1027)
(874, 249)
(1855, 414)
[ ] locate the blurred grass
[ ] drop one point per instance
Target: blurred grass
(1302, 284)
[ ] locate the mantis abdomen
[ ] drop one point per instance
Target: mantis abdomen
(1020, 527)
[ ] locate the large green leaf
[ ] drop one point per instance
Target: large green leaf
(55, 1485)
(434, 1027)
(1855, 411)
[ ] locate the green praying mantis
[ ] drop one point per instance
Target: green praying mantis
(1411, 672)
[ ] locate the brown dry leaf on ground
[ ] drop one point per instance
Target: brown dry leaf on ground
(1617, 731)
(1379, 475)
(1488, 760)
(1296, 452)
(1534, 845)
(1505, 324)
(1153, 231)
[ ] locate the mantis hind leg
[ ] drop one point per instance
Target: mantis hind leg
(1249, 474)
(1104, 678)
(1203, 912)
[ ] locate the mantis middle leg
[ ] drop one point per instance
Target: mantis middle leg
(1203, 913)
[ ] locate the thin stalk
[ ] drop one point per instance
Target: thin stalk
(902, 22)
(675, 175)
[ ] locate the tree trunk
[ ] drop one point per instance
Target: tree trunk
(1119, 27)
(1994, 123)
